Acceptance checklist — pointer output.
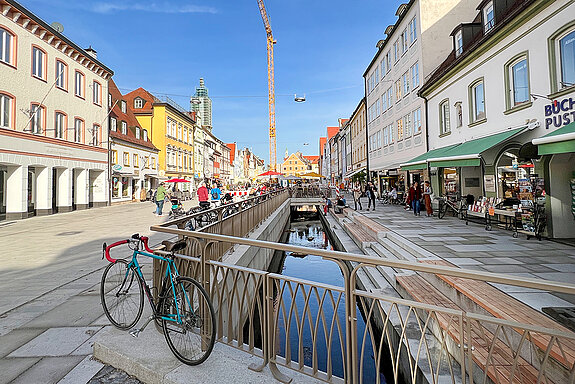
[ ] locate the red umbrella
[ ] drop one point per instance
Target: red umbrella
(177, 181)
(270, 173)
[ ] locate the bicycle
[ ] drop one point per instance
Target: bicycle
(457, 207)
(183, 307)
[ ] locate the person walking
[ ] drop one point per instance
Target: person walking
(216, 194)
(370, 191)
(427, 197)
(160, 196)
(357, 195)
(414, 198)
(203, 196)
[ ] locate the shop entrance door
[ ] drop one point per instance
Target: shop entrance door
(73, 190)
(54, 190)
(31, 192)
(3, 173)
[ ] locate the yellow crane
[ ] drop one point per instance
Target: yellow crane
(271, 85)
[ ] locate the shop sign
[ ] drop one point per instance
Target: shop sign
(117, 167)
(560, 113)
(489, 182)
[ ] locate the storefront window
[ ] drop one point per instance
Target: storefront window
(125, 187)
(512, 173)
(450, 182)
(116, 186)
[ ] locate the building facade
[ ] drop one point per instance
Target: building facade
(202, 105)
(358, 139)
(414, 46)
(496, 95)
(133, 157)
(53, 128)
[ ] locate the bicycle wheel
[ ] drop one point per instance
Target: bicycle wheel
(442, 210)
(192, 339)
(122, 295)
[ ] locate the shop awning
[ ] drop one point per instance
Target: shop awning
(420, 162)
(561, 140)
(468, 154)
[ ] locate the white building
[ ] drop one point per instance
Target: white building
(508, 81)
(53, 126)
(199, 149)
(414, 46)
(133, 157)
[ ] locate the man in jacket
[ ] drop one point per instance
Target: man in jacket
(203, 196)
(160, 196)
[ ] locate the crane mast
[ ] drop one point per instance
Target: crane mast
(271, 85)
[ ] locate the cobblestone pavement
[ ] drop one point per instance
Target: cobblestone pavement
(50, 271)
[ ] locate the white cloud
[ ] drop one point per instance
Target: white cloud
(163, 7)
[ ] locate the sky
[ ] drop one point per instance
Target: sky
(166, 46)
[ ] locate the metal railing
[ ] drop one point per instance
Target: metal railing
(312, 191)
(285, 320)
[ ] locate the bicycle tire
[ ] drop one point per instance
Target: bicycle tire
(442, 210)
(121, 294)
(191, 342)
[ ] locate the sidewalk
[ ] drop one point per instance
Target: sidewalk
(472, 247)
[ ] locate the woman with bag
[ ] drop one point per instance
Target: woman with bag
(357, 195)
(427, 192)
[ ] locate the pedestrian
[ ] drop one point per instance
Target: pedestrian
(203, 196)
(216, 194)
(370, 191)
(357, 195)
(427, 192)
(415, 198)
(159, 199)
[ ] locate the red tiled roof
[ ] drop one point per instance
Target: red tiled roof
(342, 122)
(331, 131)
(232, 147)
(148, 98)
(128, 117)
(312, 159)
(322, 141)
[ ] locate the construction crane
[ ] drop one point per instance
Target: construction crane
(271, 85)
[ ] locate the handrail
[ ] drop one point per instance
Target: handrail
(376, 261)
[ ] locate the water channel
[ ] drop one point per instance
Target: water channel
(305, 229)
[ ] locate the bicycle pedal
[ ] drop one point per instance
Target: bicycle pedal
(135, 332)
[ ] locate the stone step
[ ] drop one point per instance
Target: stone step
(359, 236)
(392, 247)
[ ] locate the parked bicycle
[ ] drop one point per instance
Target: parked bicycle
(183, 307)
(457, 207)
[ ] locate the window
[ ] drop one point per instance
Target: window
(458, 43)
(444, 126)
(138, 103)
(414, 74)
(38, 63)
(137, 132)
(405, 83)
(386, 136)
(417, 121)
(390, 133)
(6, 112)
(383, 69)
(123, 106)
(407, 125)
(7, 47)
(399, 129)
(396, 51)
(459, 112)
(404, 41)
(145, 135)
(389, 97)
(79, 84)
(412, 30)
(384, 103)
(397, 91)
(376, 76)
(124, 128)
(114, 157)
(126, 159)
(78, 130)
(37, 118)
(97, 93)
(135, 159)
(61, 75)
(96, 141)
(518, 82)
(113, 124)
(59, 125)
(488, 17)
(109, 100)
(477, 101)
(567, 59)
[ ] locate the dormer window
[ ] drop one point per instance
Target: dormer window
(137, 132)
(138, 103)
(145, 135)
(488, 17)
(458, 43)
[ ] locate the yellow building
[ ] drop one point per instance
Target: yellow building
(171, 128)
(295, 165)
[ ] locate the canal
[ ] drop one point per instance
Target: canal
(305, 229)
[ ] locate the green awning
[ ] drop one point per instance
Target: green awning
(420, 162)
(561, 140)
(468, 154)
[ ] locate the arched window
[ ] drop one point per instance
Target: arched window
(562, 50)
(6, 111)
(444, 118)
(7, 47)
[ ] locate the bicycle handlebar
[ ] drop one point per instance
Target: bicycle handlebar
(137, 237)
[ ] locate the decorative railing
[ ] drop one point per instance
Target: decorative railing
(311, 191)
(285, 320)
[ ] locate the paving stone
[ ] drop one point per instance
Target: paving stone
(463, 261)
(562, 267)
(538, 268)
(512, 268)
(540, 300)
(56, 342)
(12, 368)
(16, 338)
(565, 296)
(77, 311)
(83, 372)
(501, 260)
(49, 370)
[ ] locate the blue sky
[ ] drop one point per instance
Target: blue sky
(323, 48)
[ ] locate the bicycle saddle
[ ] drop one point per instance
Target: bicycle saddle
(175, 247)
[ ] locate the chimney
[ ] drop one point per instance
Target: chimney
(92, 52)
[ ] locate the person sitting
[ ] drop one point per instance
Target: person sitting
(228, 198)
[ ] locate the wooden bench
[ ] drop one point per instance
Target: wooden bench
(372, 226)
(360, 236)
(498, 364)
(501, 305)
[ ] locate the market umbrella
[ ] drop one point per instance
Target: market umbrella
(311, 175)
(177, 181)
(270, 173)
(292, 178)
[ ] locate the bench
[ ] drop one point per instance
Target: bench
(358, 235)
